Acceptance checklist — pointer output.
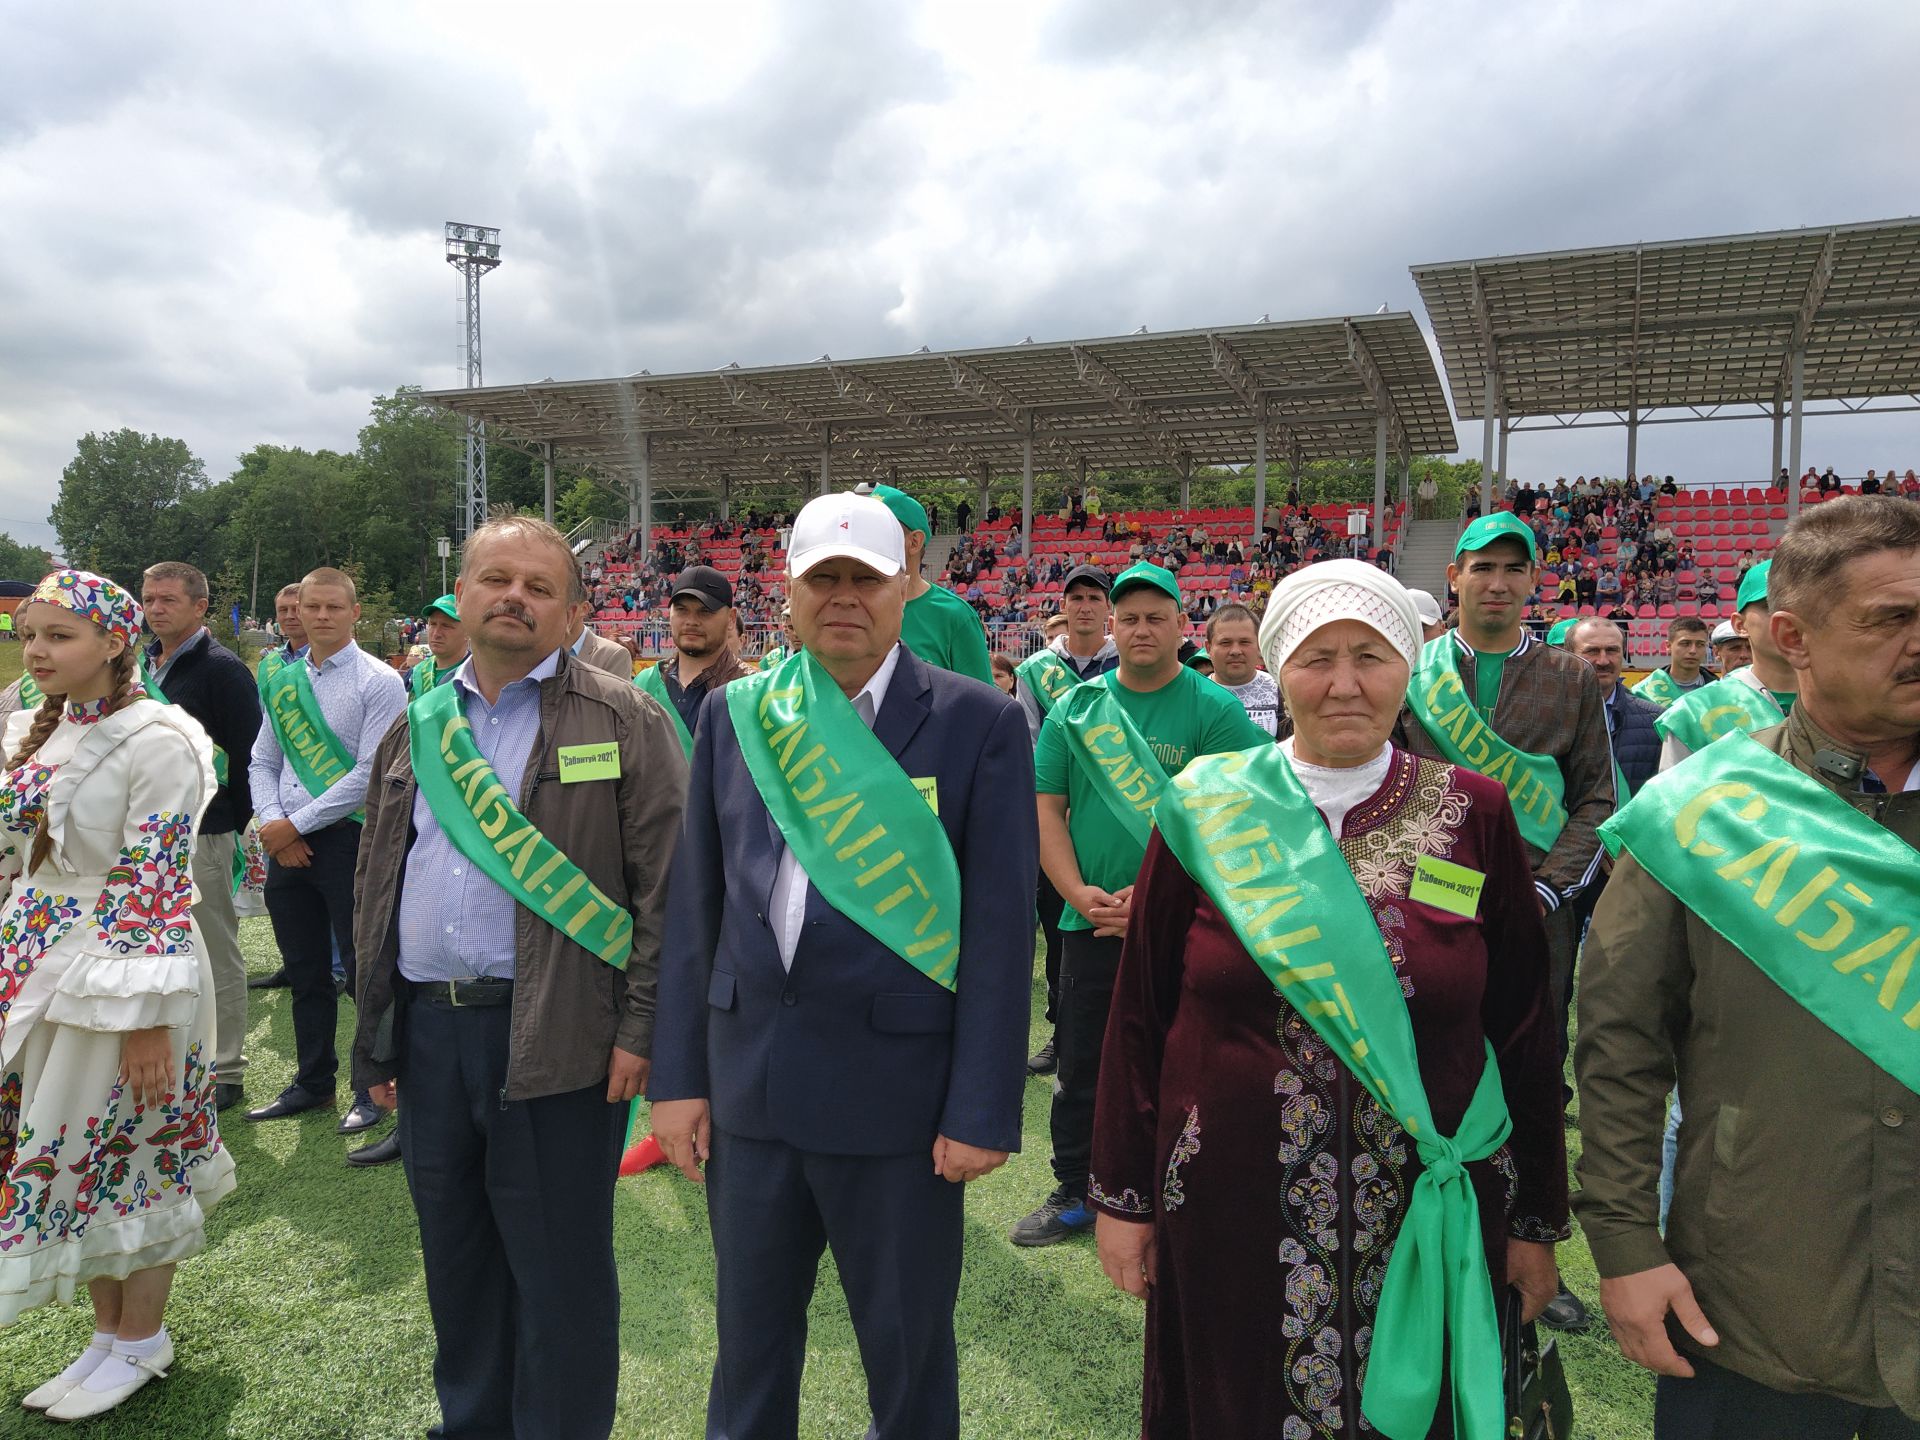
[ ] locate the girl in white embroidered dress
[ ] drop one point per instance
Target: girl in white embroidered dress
(110, 1156)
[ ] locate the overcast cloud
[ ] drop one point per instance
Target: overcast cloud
(222, 222)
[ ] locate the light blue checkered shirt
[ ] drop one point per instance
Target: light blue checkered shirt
(359, 697)
(455, 923)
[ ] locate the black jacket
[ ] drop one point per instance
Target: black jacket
(213, 685)
(1636, 744)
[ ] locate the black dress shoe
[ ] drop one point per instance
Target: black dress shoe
(276, 981)
(363, 1116)
(227, 1094)
(1565, 1312)
(380, 1152)
(291, 1101)
(1045, 1060)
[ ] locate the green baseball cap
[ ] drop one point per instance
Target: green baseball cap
(1501, 525)
(1560, 630)
(445, 605)
(907, 510)
(1146, 572)
(1753, 587)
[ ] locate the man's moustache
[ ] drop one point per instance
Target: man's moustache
(518, 612)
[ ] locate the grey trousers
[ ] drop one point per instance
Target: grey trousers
(220, 933)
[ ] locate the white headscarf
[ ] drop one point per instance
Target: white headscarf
(1331, 590)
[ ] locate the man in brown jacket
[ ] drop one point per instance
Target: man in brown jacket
(1792, 1251)
(1541, 701)
(519, 826)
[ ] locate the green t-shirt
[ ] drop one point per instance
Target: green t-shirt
(1187, 717)
(942, 629)
(1488, 668)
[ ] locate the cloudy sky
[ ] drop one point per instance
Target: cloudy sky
(223, 222)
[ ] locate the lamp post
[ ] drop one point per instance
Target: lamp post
(445, 547)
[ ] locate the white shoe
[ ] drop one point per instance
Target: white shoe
(48, 1394)
(80, 1403)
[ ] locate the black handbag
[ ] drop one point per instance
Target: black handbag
(1539, 1404)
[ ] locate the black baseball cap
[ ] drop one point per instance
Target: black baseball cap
(705, 584)
(1093, 574)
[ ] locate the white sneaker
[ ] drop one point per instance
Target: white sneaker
(80, 1403)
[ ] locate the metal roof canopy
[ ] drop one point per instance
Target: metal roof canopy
(1735, 327)
(1322, 389)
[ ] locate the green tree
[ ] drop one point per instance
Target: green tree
(119, 505)
(22, 562)
(585, 500)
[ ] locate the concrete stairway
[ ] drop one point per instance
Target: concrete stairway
(1426, 547)
(933, 563)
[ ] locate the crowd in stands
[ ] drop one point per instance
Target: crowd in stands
(1209, 548)
(1652, 550)
(630, 589)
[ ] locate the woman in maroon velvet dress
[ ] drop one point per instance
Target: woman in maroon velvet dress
(1246, 1183)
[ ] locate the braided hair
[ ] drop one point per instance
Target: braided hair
(125, 671)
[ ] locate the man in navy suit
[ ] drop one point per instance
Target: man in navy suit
(838, 1090)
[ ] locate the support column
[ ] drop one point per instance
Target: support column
(546, 458)
(1500, 462)
(1793, 433)
(1186, 483)
(1489, 420)
(1779, 422)
(726, 496)
(640, 501)
(1026, 494)
(826, 459)
(1259, 472)
(1633, 444)
(986, 494)
(1379, 481)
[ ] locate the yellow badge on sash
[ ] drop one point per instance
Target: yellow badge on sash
(1447, 886)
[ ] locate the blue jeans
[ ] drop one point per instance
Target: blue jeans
(1669, 1149)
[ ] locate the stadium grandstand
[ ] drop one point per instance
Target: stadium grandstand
(1777, 326)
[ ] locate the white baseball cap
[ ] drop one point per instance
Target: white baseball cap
(1725, 631)
(1427, 607)
(857, 527)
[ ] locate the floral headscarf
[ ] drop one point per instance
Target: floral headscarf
(96, 598)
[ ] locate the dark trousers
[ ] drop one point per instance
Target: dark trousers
(1047, 901)
(516, 1228)
(895, 1230)
(312, 912)
(1720, 1405)
(1564, 928)
(1087, 969)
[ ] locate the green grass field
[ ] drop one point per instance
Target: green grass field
(306, 1317)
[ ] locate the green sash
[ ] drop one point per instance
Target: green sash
(308, 742)
(1245, 830)
(1125, 772)
(1825, 902)
(484, 824)
(850, 814)
(773, 657)
(1659, 687)
(1048, 677)
(30, 693)
(1446, 712)
(649, 680)
(271, 662)
(429, 675)
(1700, 717)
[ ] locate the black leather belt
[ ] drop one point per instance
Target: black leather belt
(463, 994)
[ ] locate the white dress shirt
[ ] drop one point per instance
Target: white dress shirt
(788, 909)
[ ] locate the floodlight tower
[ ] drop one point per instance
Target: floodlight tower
(473, 250)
